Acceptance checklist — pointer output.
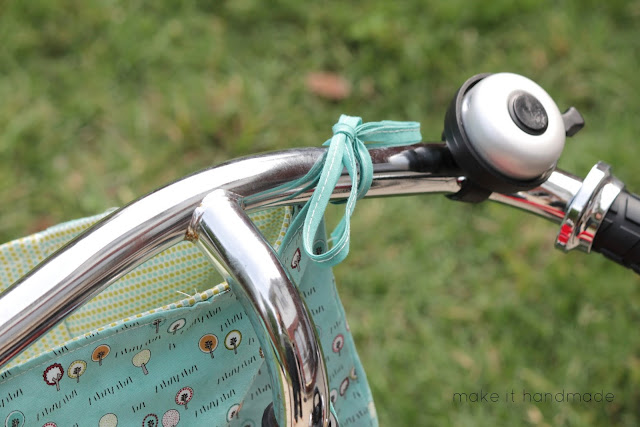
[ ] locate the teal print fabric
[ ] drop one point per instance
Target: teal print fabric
(196, 362)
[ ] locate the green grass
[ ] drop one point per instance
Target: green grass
(101, 102)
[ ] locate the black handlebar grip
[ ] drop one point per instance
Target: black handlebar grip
(618, 237)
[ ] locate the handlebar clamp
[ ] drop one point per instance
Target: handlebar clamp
(587, 209)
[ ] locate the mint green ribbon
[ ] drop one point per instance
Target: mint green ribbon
(347, 149)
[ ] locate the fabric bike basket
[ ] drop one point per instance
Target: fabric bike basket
(139, 353)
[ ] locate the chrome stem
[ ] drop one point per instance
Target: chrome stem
(285, 330)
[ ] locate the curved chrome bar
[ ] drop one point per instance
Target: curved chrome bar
(133, 234)
(287, 335)
(146, 227)
(125, 239)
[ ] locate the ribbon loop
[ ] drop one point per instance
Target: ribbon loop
(347, 150)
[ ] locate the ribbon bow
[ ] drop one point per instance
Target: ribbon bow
(347, 149)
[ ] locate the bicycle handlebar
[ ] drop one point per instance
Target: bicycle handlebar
(197, 208)
(131, 235)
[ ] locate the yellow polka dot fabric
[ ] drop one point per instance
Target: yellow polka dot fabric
(166, 279)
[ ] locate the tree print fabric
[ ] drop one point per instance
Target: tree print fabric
(196, 362)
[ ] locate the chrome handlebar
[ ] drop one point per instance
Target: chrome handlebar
(203, 207)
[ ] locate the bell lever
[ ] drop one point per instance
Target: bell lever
(573, 121)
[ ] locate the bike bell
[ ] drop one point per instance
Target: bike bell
(506, 133)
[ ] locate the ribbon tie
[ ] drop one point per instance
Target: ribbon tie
(347, 149)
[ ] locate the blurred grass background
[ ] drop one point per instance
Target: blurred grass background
(101, 102)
